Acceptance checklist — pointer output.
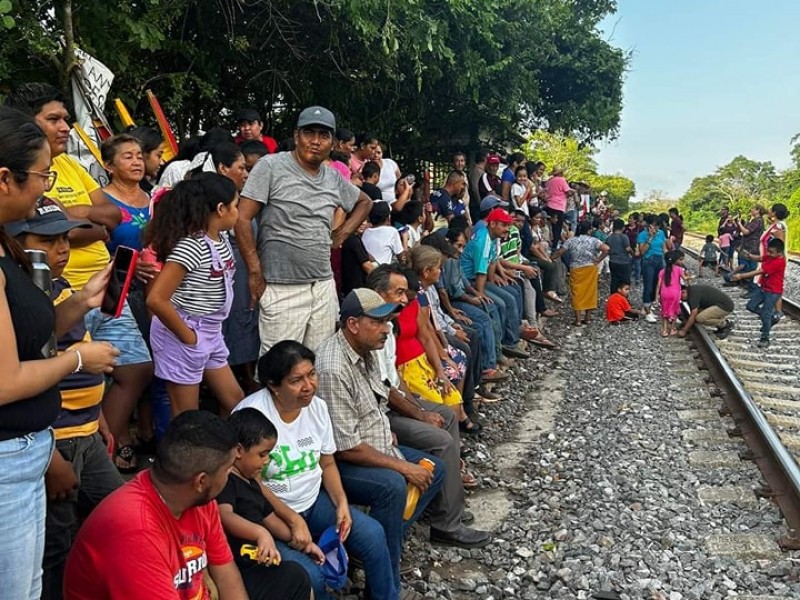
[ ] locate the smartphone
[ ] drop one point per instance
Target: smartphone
(121, 277)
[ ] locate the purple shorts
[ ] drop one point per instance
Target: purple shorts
(180, 363)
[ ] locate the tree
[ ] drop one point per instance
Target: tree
(577, 160)
(558, 149)
(428, 75)
(620, 189)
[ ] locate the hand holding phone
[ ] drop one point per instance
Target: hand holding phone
(122, 272)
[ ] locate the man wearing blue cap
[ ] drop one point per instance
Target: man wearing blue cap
(294, 196)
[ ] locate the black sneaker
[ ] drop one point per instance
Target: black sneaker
(764, 344)
(724, 331)
(776, 318)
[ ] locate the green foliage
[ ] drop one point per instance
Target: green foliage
(428, 75)
(577, 160)
(6, 20)
(740, 185)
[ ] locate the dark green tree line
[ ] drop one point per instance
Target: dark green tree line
(427, 75)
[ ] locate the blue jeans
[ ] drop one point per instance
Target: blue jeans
(366, 542)
(23, 462)
(651, 265)
(482, 322)
(384, 491)
(763, 304)
(636, 268)
(510, 306)
(749, 265)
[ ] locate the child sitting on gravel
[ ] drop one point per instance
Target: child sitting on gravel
(763, 298)
(618, 309)
(708, 256)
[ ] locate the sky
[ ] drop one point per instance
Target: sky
(708, 80)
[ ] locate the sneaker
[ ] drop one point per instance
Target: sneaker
(724, 331)
(745, 296)
(776, 318)
(651, 318)
(762, 343)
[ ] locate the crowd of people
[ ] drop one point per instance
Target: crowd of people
(339, 322)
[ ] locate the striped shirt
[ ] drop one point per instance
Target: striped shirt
(81, 393)
(202, 291)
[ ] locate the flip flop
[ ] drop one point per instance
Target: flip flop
(543, 342)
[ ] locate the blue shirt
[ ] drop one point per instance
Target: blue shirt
(129, 231)
(479, 253)
(442, 202)
(656, 247)
(508, 176)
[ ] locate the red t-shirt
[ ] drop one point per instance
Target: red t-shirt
(132, 546)
(774, 269)
(270, 143)
(616, 307)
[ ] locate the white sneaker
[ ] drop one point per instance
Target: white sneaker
(651, 318)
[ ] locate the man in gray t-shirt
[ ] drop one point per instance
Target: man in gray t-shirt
(293, 196)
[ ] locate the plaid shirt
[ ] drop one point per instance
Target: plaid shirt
(357, 398)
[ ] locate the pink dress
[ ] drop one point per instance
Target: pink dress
(671, 294)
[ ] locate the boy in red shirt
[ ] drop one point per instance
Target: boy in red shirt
(155, 536)
(763, 298)
(618, 309)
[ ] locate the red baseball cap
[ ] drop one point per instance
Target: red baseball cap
(499, 215)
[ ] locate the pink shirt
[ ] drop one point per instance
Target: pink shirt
(342, 168)
(725, 240)
(557, 189)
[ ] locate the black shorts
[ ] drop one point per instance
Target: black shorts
(708, 263)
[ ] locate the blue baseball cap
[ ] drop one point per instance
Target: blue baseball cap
(334, 569)
(367, 303)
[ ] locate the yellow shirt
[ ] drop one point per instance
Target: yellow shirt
(72, 188)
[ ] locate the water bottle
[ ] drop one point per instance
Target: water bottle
(40, 273)
(413, 492)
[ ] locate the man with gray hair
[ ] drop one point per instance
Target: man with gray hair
(293, 196)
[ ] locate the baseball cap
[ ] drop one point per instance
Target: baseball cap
(48, 219)
(316, 115)
(367, 303)
(334, 569)
(492, 201)
(493, 159)
(500, 216)
(247, 114)
(379, 213)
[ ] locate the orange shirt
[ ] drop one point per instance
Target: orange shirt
(616, 307)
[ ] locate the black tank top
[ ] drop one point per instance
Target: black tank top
(34, 320)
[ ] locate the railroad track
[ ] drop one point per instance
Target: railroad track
(761, 392)
(699, 239)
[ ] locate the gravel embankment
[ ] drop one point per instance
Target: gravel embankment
(585, 479)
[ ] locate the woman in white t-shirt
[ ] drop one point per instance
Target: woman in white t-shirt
(390, 173)
(301, 480)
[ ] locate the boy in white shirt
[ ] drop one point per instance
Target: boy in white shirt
(382, 240)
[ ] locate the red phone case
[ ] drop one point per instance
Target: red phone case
(126, 285)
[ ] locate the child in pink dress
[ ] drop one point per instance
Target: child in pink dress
(669, 291)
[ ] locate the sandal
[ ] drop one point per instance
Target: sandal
(126, 453)
(554, 297)
(469, 427)
(468, 480)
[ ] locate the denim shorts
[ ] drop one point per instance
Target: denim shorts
(122, 333)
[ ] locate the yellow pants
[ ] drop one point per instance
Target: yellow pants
(420, 378)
